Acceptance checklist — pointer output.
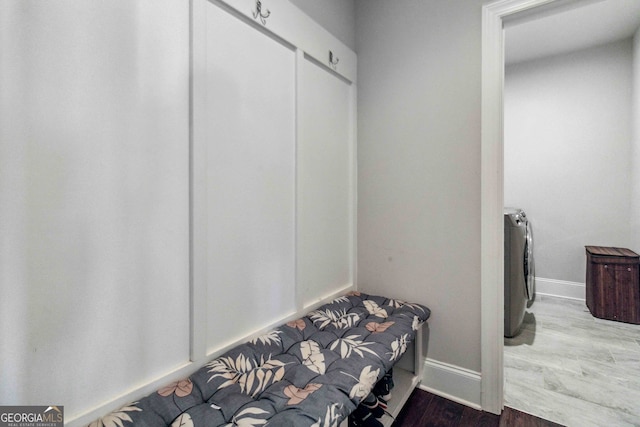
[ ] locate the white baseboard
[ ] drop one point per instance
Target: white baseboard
(452, 382)
(560, 288)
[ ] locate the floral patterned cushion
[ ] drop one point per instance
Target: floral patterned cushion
(313, 371)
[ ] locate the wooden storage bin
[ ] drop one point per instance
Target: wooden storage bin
(613, 283)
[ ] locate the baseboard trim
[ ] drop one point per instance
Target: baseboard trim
(560, 288)
(452, 382)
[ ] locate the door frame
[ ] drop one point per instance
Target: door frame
(492, 197)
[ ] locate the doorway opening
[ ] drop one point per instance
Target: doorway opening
(493, 166)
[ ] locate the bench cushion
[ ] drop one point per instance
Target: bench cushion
(313, 371)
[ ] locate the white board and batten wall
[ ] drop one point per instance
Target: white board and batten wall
(168, 206)
(275, 196)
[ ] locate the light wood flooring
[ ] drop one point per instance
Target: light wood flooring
(571, 368)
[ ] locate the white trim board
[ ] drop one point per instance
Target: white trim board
(560, 288)
(491, 193)
(452, 382)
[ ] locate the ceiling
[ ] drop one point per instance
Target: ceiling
(569, 26)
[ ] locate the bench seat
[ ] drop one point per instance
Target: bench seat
(313, 371)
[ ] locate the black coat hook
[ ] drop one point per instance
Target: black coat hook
(333, 60)
(259, 13)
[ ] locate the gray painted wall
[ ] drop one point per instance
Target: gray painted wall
(419, 163)
(568, 153)
(336, 16)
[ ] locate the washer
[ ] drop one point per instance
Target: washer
(518, 269)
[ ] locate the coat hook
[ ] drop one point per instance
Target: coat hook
(259, 13)
(333, 60)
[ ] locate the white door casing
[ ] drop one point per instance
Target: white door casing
(492, 181)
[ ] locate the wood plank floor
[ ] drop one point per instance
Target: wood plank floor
(572, 368)
(424, 409)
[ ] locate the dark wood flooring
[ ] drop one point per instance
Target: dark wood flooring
(424, 409)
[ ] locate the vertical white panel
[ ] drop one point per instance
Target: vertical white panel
(94, 255)
(325, 198)
(199, 215)
(250, 138)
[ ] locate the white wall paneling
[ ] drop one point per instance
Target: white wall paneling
(250, 143)
(131, 248)
(325, 182)
(199, 203)
(298, 29)
(272, 170)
